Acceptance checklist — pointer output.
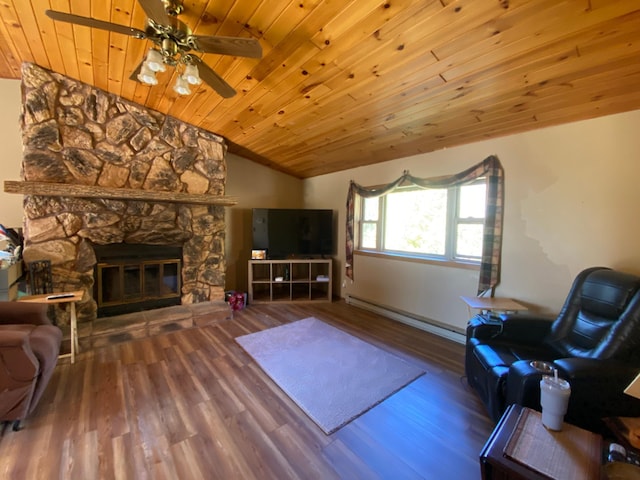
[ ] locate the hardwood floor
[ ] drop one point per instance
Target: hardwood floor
(192, 404)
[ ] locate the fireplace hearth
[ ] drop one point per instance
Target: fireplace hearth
(131, 278)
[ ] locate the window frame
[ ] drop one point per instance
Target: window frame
(453, 220)
(457, 220)
(360, 221)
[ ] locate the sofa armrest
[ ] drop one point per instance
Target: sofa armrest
(27, 313)
(12, 336)
(18, 363)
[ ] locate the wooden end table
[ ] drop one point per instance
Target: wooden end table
(63, 297)
(492, 304)
(521, 448)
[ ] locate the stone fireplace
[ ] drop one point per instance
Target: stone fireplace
(99, 170)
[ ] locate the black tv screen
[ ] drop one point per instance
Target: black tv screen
(286, 233)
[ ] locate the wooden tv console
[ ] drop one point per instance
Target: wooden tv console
(294, 280)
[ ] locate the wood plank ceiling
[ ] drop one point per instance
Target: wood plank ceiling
(349, 83)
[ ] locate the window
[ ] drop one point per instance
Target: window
(444, 224)
(461, 243)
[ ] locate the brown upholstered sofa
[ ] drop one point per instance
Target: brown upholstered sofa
(29, 348)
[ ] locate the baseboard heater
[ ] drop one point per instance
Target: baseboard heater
(423, 323)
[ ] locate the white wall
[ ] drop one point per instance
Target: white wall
(571, 202)
(11, 158)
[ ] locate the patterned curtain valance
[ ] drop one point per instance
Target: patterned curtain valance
(492, 170)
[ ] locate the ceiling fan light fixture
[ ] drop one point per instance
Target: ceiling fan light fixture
(192, 75)
(147, 76)
(155, 61)
(182, 86)
(171, 41)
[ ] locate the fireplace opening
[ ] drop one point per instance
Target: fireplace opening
(133, 277)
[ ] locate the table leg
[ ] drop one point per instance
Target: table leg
(74, 330)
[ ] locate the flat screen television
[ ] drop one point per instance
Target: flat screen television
(288, 233)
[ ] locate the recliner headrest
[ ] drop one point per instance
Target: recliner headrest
(607, 292)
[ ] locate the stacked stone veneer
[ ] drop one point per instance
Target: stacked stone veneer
(76, 134)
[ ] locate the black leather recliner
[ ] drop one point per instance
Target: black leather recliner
(594, 343)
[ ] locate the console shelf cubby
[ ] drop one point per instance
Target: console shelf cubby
(293, 280)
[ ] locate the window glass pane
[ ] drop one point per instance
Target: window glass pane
(371, 209)
(416, 221)
(170, 276)
(469, 240)
(110, 283)
(152, 280)
(131, 285)
(472, 200)
(368, 235)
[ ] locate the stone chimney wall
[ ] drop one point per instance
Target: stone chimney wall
(76, 134)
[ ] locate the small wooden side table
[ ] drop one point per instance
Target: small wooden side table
(63, 297)
(492, 304)
(520, 447)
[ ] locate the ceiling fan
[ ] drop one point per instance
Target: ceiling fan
(173, 43)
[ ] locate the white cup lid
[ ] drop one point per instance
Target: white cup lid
(553, 382)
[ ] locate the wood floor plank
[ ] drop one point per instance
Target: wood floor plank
(347, 463)
(309, 461)
(125, 464)
(403, 431)
(193, 404)
(379, 457)
(230, 456)
(192, 461)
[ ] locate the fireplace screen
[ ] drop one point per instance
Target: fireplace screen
(135, 279)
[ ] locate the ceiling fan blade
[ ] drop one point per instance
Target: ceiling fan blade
(136, 72)
(92, 22)
(155, 11)
(241, 47)
(214, 80)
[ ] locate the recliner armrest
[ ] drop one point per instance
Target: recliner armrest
(597, 390)
(482, 327)
(611, 372)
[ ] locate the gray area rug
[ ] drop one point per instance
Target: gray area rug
(333, 377)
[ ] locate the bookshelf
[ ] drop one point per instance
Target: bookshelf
(295, 280)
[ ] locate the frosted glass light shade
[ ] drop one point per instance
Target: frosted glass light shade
(147, 76)
(192, 76)
(182, 86)
(154, 61)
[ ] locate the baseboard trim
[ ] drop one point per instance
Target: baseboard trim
(423, 323)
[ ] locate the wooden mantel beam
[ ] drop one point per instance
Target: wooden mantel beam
(46, 189)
